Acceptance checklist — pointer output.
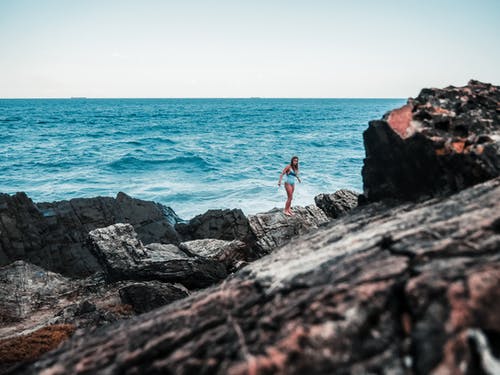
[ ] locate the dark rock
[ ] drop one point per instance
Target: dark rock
(148, 295)
(166, 251)
(273, 228)
(338, 203)
(26, 289)
(406, 289)
(124, 257)
(217, 224)
(233, 254)
(439, 143)
(32, 298)
(53, 235)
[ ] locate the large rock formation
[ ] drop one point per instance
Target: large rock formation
(337, 204)
(407, 289)
(218, 224)
(438, 143)
(54, 235)
(274, 228)
(124, 257)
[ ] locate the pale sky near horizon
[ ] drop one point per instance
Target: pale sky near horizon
(207, 48)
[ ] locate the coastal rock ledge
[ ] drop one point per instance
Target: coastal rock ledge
(408, 289)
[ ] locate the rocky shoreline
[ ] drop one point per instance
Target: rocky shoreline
(402, 279)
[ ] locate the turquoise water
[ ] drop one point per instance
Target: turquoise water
(189, 154)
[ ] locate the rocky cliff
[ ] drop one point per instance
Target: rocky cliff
(438, 143)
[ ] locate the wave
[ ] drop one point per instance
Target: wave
(131, 162)
(11, 119)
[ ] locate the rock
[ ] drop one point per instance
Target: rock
(439, 143)
(233, 254)
(53, 235)
(148, 295)
(382, 290)
(124, 257)
(32, 298)
(26, 289)
(217, 224)
(274, 228)
(166, 251)
(30, 346)
(337, 204)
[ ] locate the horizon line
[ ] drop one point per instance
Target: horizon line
(196, 97)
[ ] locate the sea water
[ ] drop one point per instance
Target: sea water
(189, 154)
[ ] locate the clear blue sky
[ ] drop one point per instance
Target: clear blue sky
(267, 48)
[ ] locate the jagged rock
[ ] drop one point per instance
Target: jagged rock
(124, 257)
(439, 143)
(382, 290)
(53, 235)
(217, 224)
(165, 251)
(233, 254)
(32, 298)
(148, 295)
(274, 228)
(26, 288)
(338, 203)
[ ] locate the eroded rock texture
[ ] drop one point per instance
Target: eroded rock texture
(337, 204)
(53, 235)
(124, 257)
(438, 143)
(406, 289)
(273, 228)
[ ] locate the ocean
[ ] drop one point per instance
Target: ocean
(189, 154)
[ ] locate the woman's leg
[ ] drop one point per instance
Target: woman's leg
(291, 197)
(289, 192)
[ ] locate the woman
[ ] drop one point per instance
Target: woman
(292, 172)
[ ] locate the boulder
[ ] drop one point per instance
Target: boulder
(124, 257)
(148, 295)
(337, 204)
(53, 235)
(233, 254)
(26, 289)
(217, 224)
(438, 143)
(406, 289)
(273, 228)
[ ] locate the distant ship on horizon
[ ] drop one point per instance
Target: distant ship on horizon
(78, 97)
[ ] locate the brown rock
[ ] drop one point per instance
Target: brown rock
(438, 143)
(381, 290)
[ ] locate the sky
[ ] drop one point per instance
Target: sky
(264, 48)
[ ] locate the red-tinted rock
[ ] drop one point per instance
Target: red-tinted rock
(438, 143)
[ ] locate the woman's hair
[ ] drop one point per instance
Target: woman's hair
(291, 163)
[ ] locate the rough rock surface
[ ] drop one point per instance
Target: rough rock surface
(233, 254)
(25, 288)
(124, 257)
(53, 235)
(438, 143)
(274, 228)
(218, 224)
(148, 295)
(32, 298)
(407, 289)
(337, 204)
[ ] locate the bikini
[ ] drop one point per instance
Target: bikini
(290, 177)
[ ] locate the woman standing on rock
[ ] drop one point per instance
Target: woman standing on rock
(292, 172)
